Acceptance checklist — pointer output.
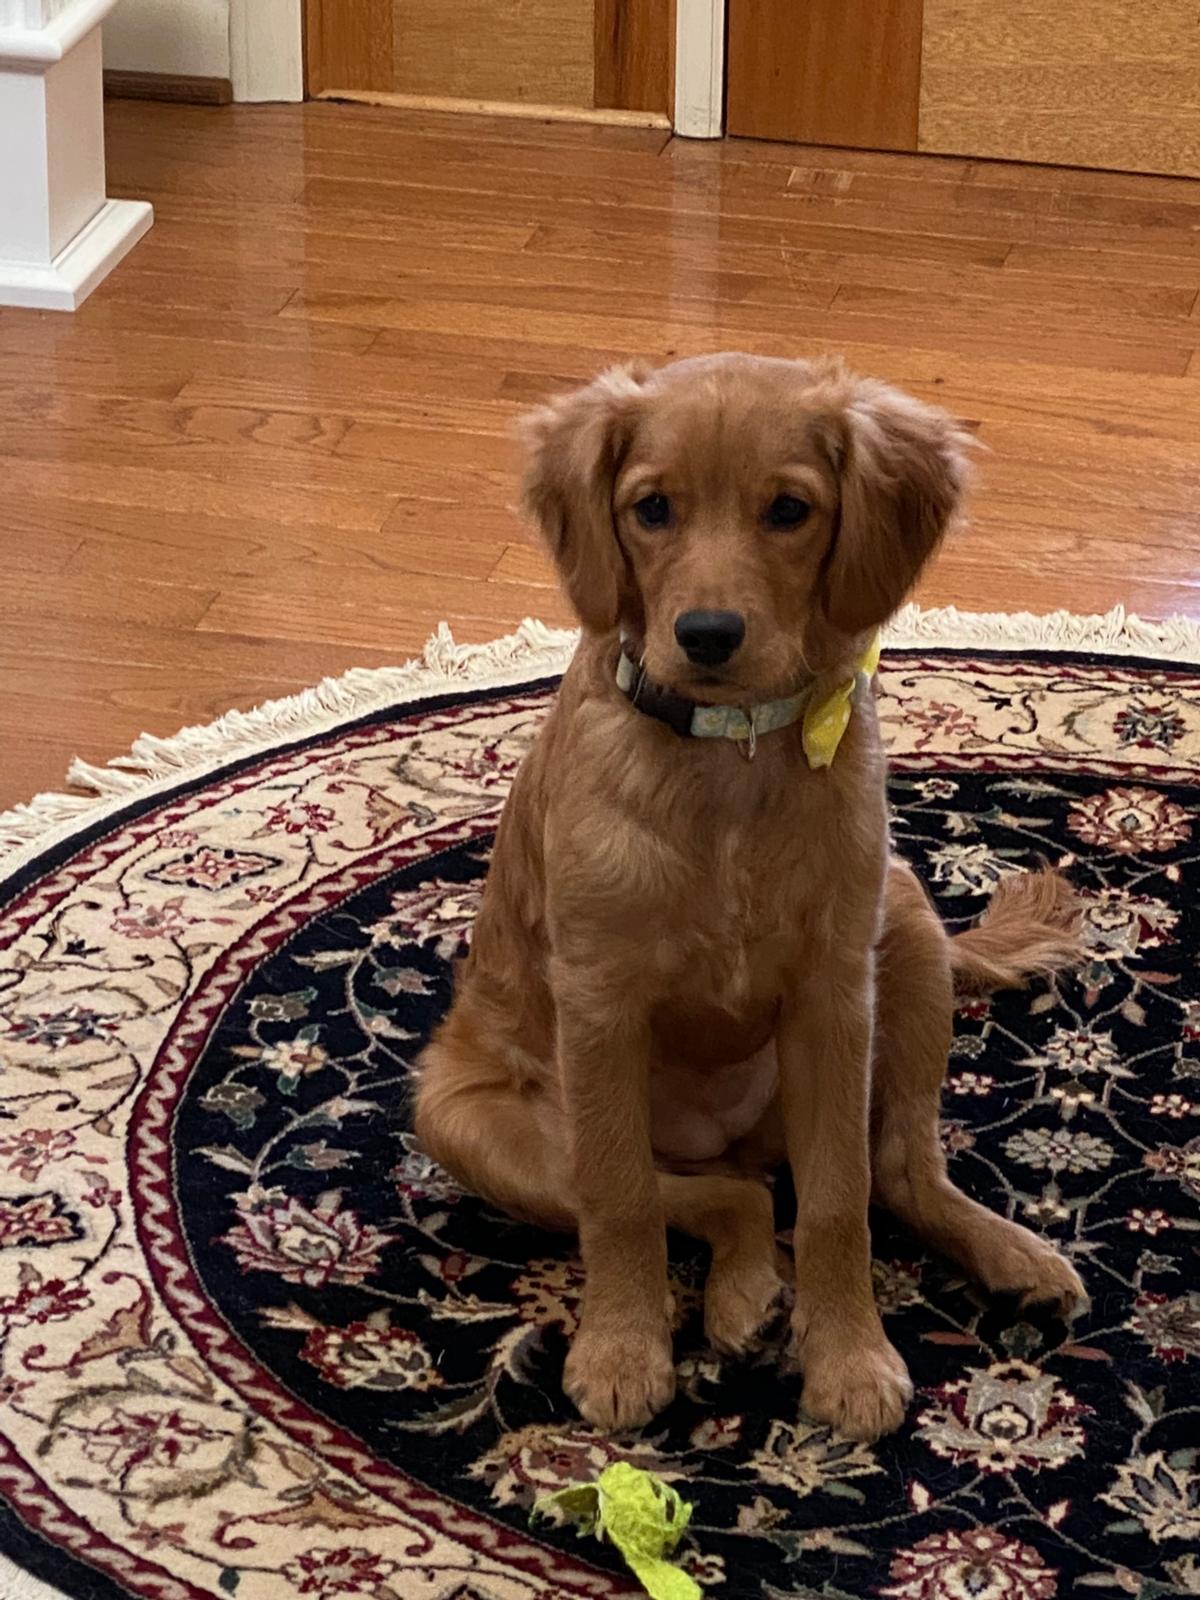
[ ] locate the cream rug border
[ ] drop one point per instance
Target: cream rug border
(534, 650)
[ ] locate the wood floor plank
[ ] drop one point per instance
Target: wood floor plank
(376, 385)
(103, 323)
(162, 601)
(679, 329)
(974, 213)
(680, 221)
(655, 327)
(162, 492)
(276, 450)
(1095, 265)
(122, 543)
(1159, 289)
(210, 230)
(318, 263)
(1127, 310)
(352, 611)
(1001, 193)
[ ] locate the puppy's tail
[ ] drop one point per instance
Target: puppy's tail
(1031, 928)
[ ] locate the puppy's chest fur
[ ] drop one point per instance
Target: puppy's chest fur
(720, 970)
(751, 864)
(727, 935)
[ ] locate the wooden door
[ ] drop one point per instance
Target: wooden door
(825, 71)
(568, 54)
(1087, 83)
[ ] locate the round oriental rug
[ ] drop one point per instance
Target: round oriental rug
(253, 1343)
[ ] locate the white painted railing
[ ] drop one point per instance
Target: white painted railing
(30, 13)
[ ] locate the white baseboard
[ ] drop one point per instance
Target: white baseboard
(91, 255)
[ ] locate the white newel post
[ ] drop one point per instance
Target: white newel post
(59, 233)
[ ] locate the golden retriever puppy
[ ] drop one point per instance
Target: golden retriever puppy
(695, 956)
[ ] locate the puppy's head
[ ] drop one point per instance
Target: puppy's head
(740, 516)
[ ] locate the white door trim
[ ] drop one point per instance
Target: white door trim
(266, 53)
(700, 68)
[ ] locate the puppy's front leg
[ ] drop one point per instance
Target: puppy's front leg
(853, 1378)
(619, 1371)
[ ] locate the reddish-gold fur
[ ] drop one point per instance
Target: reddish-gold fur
(688, 965)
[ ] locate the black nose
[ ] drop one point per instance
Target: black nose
(709, 638)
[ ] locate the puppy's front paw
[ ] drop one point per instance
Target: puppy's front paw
(620, 1380)
(858, 1385)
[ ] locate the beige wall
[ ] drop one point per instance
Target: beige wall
(188, 37)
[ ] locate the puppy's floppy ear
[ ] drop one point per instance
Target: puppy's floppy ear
(574, 447)
(904, 469)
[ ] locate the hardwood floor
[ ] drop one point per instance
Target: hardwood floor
(276, 443)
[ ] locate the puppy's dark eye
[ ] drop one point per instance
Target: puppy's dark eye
(653, 511)
(787, 511)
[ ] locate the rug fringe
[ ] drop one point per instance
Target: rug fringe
(1113, 633)
(534, 650)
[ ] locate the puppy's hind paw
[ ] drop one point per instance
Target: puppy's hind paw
(738, 1301)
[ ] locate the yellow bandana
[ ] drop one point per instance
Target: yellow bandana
(824, 724)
